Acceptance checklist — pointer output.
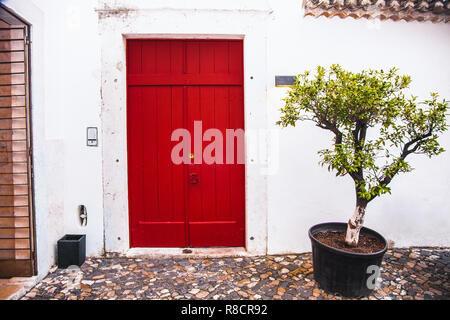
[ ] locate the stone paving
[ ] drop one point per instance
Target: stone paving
(406, 274)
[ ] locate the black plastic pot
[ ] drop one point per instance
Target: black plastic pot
(71, 250)
(338, 271)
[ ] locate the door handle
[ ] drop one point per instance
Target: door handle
(193, 178)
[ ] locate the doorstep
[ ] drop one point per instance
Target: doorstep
(15, 288)
(195, 252)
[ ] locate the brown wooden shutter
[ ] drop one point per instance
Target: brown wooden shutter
(16, 223)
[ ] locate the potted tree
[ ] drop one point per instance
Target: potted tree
(375, 129)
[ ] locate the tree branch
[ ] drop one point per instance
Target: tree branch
(325, 124)
(405, 152)
(359, 135)
(418, 140)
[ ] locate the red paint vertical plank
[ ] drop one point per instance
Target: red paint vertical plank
(164, 124)
(163, 56)
(135, 165)
(149, 56)
(222, 170)
(177, 57)
(149, 134)
(134, 56)
(194, 190)
(221, 57)
(192, 57)
(236, 57)
(236, 105)
(208, 174)
(178, 174)
(237, 190)
(206, 57)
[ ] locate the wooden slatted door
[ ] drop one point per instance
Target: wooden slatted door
(174, 84)
(16, 223)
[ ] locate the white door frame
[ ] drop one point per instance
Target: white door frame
(115, 28)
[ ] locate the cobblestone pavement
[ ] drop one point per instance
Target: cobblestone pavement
(406, 274)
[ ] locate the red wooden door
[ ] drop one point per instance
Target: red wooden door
(171, 84)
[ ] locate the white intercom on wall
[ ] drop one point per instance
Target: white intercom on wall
(92, 136)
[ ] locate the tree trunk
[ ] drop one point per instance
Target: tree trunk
(355, 224)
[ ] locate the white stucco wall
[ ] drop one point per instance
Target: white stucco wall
(302, 193)
(65, 69)
(78, 80)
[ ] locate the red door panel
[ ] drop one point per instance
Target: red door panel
(215, 217)
(156, 185)
(171, 84)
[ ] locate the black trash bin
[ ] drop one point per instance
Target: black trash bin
(71, 250)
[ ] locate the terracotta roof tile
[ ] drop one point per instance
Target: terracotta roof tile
(408, 10)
